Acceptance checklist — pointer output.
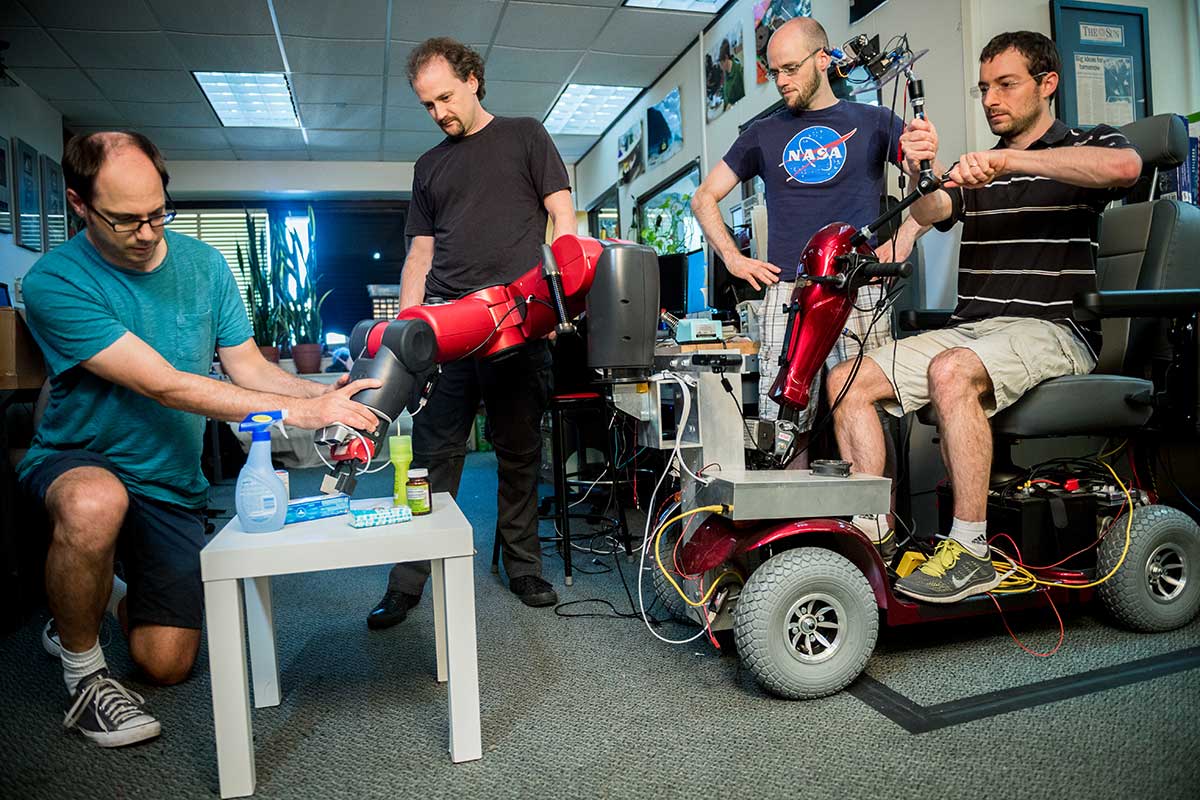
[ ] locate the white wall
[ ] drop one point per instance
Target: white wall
(233, 180)
(24, 115)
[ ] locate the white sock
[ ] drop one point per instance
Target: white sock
(873, 525)
(971, 535)
(118, 594)
(77, 666)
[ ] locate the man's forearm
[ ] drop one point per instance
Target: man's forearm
(1090, 167)
(705, 209)
(226, 401)
(564, 225)
(270, 378)
(933, 207)
(412, 284)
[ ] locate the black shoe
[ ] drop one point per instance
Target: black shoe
(392, 609)
(533, 591)
(108, 713)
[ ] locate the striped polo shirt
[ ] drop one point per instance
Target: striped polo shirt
(1029, 243)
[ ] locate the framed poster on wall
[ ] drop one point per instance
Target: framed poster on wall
(27, 197)
(5, 189)
(1105, 53)
(54, 220)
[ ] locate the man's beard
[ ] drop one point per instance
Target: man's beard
(1015, 125)
(802, 98)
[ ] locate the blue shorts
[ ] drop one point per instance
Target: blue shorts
(158, 547)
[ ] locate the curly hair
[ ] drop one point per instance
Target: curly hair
(1039, 51)
(462, 59)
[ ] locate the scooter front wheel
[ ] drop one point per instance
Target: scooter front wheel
(806, 623)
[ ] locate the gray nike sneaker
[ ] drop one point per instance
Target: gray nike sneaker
(950, 575)
(109, 714)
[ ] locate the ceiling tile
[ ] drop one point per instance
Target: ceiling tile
(203, 52)
(611, 69)
(150, 86)
(464, 20)
(86, 15)
(341, 116)
(343, 140)
(186, 154)
(357, 89)
(608, 3)
(214, 16)
(89, 112)
(334, 56)
(574, 27)
(521, 64)
(53, 83)
(265, 138)
(402, 118)
(184, 115)
(410, 141)
(350, 155)
(187, 138)
(271, 155)
(13, 16)
(344, 19)
(119, 50)
(649, 33)
(30, 47)
(521, 95)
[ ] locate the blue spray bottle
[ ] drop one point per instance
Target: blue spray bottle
(261, 498)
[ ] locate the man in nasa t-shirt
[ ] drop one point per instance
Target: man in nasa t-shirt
(822, 160)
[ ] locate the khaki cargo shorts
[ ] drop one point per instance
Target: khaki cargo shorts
(1017, 352)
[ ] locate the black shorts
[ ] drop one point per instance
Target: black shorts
(158, 547)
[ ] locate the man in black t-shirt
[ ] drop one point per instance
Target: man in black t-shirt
(1030, 209)
(481, 200)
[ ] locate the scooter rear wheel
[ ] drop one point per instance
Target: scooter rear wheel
(1157, 587)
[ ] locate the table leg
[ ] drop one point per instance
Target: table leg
(463, 659)
(437, 574)
(230, 689)
(260, 622)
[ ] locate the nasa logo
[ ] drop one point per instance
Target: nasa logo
(815, 154)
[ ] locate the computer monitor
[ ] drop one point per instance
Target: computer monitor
(682, 279)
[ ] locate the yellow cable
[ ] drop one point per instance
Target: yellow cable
(1114, 451)
(658, 556)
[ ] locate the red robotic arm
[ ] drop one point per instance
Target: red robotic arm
(403, 353)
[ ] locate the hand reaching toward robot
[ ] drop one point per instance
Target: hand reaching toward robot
(976, 170)
(753, 270)
(919, 142)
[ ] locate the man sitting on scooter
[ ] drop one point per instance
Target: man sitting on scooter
(1030, 209)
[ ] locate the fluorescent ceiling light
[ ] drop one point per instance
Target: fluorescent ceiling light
(586, 109)
(698, 6)
(250, 99)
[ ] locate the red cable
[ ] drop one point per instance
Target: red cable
(1137, 482)
(1061, 629)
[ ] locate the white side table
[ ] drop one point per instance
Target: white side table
(237, 565)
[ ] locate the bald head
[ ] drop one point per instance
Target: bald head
(805, 31)
(85, 156)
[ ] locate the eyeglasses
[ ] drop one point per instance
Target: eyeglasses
(135, 225)
(791, 69)
(1004, 87)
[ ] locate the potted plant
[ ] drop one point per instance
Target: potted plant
(262, 292)
(301, 301)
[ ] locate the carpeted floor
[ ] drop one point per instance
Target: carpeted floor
(598, 708)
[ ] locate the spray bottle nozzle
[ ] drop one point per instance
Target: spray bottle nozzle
(260, 423)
